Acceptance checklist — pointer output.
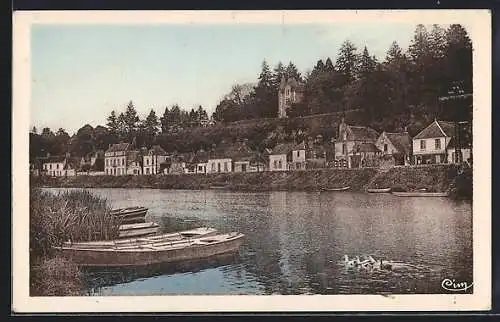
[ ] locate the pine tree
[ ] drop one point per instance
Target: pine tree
(279, 72)
(131, 120)
(366, 63)
(347, 62)
(292, 72)
(112, 124)
(165, 121)
(394, 54)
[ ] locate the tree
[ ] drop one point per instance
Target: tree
(394, 54)
(279, 73)
(347, 61)
(293, 72)
(165, 121)
(112, 124)
(131, 120)
(202, 115)
(122, 127)
(367, 64)
(419, 47)
(458, 56)
(266, 98)
(150, 128)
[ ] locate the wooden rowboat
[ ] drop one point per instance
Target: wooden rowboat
(130, 215)
(153, 253)
(147, 240)
(420, 194)
(136, 230)
(336, 189)
(377, 190)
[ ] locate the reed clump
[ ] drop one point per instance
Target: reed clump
(55, 218)
(56, 276)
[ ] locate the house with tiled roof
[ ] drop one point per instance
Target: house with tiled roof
(430, 145)
(245, 159)
(115, 159)
(298, 161)
(122, 159)
(152, 159)
(355, 145)
(53, 166)
(396, 148)
(291, 91)
(219, 160)
(281, 156)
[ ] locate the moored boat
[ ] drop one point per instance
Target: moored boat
(420, 194)
(141, 229)
(146, 240)
(153, 252)
(336, 189)
(130, 215)
(378, 190)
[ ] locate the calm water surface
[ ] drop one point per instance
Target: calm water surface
(295, 242)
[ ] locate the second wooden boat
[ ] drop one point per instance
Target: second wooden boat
(136, 230)
(130, 215)
(420, 194)
(378, 190)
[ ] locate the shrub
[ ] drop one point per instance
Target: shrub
(55, 277)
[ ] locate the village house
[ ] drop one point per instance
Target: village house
(431, 144)
(115, 159)
(396, 148)
(290, 92)
(92, 164)
(175, 163)
(61, 165)
(316, 153)
(53, 166)
(298, 161)
(200, 161)
(464, 148)
(244, 159)
(355, 146)
(280, 157)
(152, 160)
(134, 162)
(219, 160)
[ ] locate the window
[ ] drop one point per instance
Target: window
(343, 148)
(279, 164)
(147, 161)
(225, 166)
(422, 144)
(218, 167)
(123, 161)
(385, 148)
(147, 171)
(107, 162)
(275, 164)
(50, 166)
(57, 165)
(437, 144)
(298, 154)
(213, 167)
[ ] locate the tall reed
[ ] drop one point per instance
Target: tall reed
(71, 215)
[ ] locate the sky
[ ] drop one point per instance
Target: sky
(80, 73)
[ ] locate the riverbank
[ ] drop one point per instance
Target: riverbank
(434, 178)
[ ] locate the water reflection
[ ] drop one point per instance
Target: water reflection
(295, 241)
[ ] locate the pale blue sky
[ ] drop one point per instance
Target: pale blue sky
(81, 73)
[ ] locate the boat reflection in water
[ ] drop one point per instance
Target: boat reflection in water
(98, 277)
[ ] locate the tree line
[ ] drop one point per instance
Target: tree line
(400, 91)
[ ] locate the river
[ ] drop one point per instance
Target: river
(295, 242)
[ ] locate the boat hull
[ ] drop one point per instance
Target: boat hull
(384, 190)
(136, 230)
(132, 215)
(149, 256)
(420, 194)
(336, 189)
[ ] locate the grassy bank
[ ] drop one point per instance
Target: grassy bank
(258, 181)
(55, 218)
(434, 178)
